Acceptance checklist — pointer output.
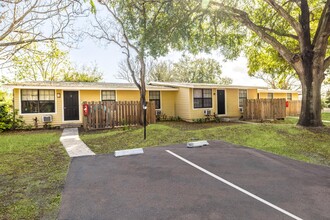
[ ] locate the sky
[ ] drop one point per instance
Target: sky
(108, 57)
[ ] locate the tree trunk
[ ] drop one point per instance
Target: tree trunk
(142, 103)
(143, 86)
(310, 115)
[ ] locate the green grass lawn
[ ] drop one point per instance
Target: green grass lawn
(326, 116)
(310, 145)
(32, 174)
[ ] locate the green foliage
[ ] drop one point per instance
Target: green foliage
(326, 116)
(162, 72)
(7, 119)
(327, 100)
(2, 96)
(164, 117)
(87, 74)
(199, 120)
(265, 63)
(217, 119)
(191, 70)
(48, 62)
(174, 118)
(40, 62)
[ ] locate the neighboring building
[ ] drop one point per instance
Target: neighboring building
(192, 99)
(277, 94)
(63, 100)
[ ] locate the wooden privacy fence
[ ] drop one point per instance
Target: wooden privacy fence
(264, 109)
(293, 108)
(107, 114)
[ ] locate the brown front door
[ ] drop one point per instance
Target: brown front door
(71, 106)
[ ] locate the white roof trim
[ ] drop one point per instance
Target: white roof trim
(205, 85)
(85, 88)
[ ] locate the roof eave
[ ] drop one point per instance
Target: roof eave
(13, 86)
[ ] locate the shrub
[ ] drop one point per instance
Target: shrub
(7, 120)
(199, 120)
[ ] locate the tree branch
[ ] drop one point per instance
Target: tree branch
(26, 41)
(128, 61)
(281, 11)
(121, 23)
(324, 25)
(243, 18)
(279, 33)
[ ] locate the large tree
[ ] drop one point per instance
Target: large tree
(141, 28)
(265, 63)
(25, 22)
(297, 30)
(190, 70)
(48, 62)
(39, 62)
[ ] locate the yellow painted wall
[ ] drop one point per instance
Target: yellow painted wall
(28, 117)
(90, 95)
(199, 112)
(278, 96)
(167, 102)
(252, 94)
(263, 95)
(183, 103)
(295, 96)
(173, 103)
(232, 103)
(187, 112)
(123, 95)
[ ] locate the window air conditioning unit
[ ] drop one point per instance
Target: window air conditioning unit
(207, 112)
(47, 118)
(158, 112)
(241, 109)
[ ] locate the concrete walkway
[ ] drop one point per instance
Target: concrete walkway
(73, 145)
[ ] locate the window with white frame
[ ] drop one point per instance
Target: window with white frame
(242, 95)
(202, 98)
(155, 96)
(289, 96)
(108, 95)
(37, 101)
(270, 96)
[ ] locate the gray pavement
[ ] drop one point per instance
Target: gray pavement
(73, 145)
(157, 185)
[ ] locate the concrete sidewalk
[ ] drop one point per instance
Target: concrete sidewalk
(73, 145)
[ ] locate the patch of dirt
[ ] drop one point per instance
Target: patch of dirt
(320, 130)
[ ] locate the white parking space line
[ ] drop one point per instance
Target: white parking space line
(234, 186)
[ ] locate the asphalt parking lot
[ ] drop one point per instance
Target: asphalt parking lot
(219, 181)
